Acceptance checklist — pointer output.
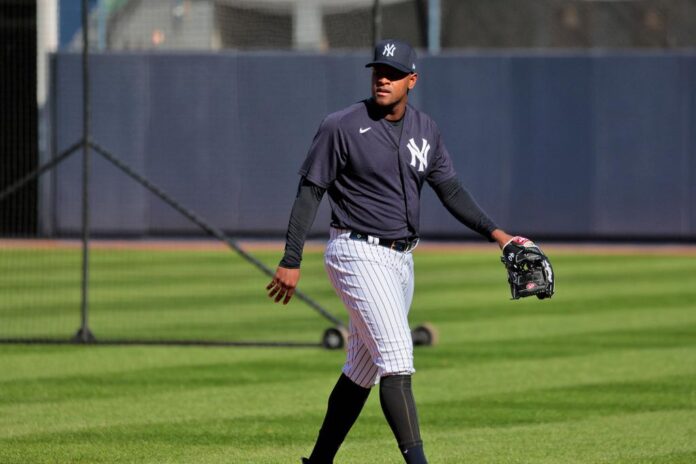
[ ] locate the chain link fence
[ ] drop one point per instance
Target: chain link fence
(153, 287)
(332, 24)
(569, 23)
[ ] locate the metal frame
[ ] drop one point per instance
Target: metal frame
(84, 334)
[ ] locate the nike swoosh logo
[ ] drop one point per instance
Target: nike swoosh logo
(362, 131)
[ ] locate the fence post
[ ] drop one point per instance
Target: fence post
(434, 21)
(376, 22)
(84, 334)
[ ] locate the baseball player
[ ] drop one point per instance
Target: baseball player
(373, 158)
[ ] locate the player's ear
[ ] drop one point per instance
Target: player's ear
(412, 79)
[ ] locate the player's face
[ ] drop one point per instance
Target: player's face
(390, 86)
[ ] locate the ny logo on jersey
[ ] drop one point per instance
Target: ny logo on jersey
(421, 154)
(389, 50)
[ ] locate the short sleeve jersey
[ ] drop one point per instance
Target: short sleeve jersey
(374, 172)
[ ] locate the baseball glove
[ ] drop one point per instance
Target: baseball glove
(529, 269)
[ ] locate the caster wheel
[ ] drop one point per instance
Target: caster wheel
(334, 338)
(425, 335)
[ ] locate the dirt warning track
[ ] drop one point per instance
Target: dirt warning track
(317, 245)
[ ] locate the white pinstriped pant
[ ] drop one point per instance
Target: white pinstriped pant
(376, 286)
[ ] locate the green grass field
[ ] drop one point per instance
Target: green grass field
(605, 372)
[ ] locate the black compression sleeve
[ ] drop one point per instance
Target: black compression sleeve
(462, 206)
(304, 210)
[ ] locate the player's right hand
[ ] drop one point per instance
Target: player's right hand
(283, 285)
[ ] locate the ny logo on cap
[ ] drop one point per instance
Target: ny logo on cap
(389, 50)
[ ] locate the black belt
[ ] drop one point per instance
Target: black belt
(402, 245)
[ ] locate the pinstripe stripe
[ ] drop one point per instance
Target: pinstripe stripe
(376, 286)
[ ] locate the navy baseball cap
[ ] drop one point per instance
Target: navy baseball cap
(395, 53)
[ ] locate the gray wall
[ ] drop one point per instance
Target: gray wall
(588, 145)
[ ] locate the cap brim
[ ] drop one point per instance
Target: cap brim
(391, 64)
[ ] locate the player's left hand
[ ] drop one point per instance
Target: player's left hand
(283, 285)
(501, 237)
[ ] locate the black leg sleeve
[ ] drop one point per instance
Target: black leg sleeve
(345, 403)
(399, 408)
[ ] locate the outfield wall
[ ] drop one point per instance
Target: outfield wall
(589, 145)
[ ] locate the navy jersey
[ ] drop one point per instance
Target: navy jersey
(373, 173)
